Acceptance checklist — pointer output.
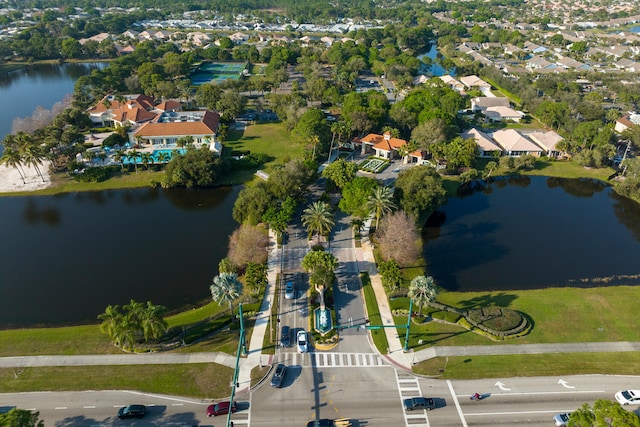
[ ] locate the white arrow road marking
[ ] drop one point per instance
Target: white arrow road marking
(502, 387)
(565, 384)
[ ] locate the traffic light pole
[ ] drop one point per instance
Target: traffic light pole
(242, 350)
(376, 327)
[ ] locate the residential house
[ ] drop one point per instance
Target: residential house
(514, 144)
(548, 140)
(474, 81)
(481, 103)
(570, 63)
(97, 38)
(198, 38)
(452, 83)
(387, 147)
(130, 110)
(486, 146)
(627, 65)
(626, 122)
(534, 48)
(165, 130)
(328, 41)
(500, 113)
(239, 38)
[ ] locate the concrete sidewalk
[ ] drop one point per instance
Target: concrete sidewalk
(366, 262)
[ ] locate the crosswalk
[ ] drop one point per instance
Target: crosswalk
(333, 360)
(408, 386)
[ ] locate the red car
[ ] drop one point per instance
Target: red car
(220, 408)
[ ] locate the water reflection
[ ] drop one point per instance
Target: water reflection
(534, 232)
(109, 247)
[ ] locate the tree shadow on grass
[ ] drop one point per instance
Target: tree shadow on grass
(501, 299)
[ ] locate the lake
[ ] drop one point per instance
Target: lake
(37, 85)
(66, 257)
(434, 69)
(534, 232)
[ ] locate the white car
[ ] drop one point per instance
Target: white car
(628, 397)
(561, 420)
(303, 342)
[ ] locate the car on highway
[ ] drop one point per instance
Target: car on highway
(220, 408)
(132, 411)
(561, 420)
(289, 291)
(321, 423)
(278, 375)
(628, 397)
(285, 336)
(419, 403)
(302, 340)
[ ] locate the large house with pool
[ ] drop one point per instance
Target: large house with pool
(168, 127)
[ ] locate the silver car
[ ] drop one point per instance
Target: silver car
(561, 420)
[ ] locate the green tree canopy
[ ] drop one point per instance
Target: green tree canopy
(419, 191)
(423, 290)
(226, 288)
(355, 195)
(340, 172)
(603, 413)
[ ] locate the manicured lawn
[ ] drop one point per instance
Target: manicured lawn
(373, 313)
(272, 139)
(560, 315)
(203, 380)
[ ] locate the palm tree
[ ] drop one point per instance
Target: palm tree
(111, 320)
(314, 140)
(145, 159)
(225, 289)
(119, 157)
(151, 321)
(318, 218)
(380, 202)
(162, 157)
(422, 290)
(32, 155)
(12, 158)
(133, 156)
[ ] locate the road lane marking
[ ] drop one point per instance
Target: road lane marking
(479, 414)
(60, 407)
(536, 393)
(455, 400)
(89, 407)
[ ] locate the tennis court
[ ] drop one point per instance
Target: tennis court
(212, 72)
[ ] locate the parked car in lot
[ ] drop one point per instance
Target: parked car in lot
(561, 420)
(419, 403)
(302, 339)
(285, 336)
(628, 397)
(132, 411)
(289, 291)
(220, 408)
(278, 375)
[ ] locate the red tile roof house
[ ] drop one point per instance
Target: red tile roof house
(165, 130)
(387, 147)
(133, 109)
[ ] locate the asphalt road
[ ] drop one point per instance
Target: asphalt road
(369, 396)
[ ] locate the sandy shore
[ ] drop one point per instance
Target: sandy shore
(10, 179)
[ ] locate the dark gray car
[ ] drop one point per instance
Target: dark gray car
(285, 336)
(278, 375)
(419, 403)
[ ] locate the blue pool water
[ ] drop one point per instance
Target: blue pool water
(156, 156)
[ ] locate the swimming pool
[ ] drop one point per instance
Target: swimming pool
(157, 156)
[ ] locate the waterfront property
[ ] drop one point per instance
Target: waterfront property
(387, 147)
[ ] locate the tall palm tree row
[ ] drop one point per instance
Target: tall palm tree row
(318, 218)
(22, 150)
(380, 202)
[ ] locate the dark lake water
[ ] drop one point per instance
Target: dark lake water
(534, 232)
(65, 258)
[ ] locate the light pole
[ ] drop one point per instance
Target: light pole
(242, 349)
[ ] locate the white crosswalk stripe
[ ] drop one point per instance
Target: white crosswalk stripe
(408, 386)
(334, 360)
